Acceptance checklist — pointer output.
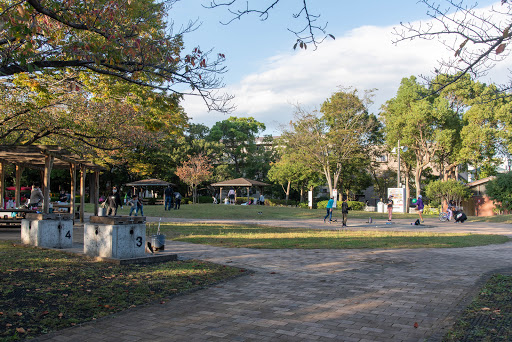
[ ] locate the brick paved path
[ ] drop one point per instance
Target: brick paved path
(312, 295)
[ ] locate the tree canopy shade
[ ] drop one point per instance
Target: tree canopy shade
(478, 39)
(421, 123)
(342, 135)
(238, 137)
(499, 190)
(129, 40)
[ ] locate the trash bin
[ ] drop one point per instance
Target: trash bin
(381, 207)
(158, 242)
(102, 211)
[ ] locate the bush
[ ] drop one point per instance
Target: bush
(431, 210)
(204, 199)
(500, 191)
(353, 205)
(439, 191)
(321, 204)
(280, 203)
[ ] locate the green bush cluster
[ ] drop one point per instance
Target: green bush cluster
(280, 203)
(431, 210)
(204, 199)
(353, 205)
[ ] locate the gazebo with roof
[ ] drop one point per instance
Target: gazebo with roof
(45, 158)
(147, 183)
(239, 183)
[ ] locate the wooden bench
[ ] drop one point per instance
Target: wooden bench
(159, 201)
(13, 222)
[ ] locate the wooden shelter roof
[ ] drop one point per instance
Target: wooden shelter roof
(480, 181)
(240, 182)
(33, 156)
(150, 182)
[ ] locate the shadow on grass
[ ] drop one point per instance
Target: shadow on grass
(46, 290)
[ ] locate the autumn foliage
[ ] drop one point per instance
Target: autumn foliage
(194, 171)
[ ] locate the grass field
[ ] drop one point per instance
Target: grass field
(489, 316)
(253, 236)
(256, 212)
(47, 290)
(252, 212)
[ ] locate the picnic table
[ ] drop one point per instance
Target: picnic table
(8, 221)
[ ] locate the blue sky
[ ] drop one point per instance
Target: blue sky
(268, 77)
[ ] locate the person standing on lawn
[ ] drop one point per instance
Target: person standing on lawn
(390, 207)
(177, 200)
(344, 211)
(168, 194)
(420, 206)
(330, 203)
(140, 206)
(133, 205)
(113, 201)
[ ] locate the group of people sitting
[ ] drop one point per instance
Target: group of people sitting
(231, 199)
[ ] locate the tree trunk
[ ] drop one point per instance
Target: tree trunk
(417, 179)
(288, 191)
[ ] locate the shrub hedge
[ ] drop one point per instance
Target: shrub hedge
(353, 205)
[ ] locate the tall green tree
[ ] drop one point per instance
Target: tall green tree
(421, 122)
(500, 191)
(343, 134)
(238, 135)
(479, 132)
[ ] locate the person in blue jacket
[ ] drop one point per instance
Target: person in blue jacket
(330, 203)
(420, 206)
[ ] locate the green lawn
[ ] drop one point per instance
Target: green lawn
(47, 290)
(489, 316)
(252, 212)
(252, 236)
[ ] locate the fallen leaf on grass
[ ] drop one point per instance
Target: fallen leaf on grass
(19, 314)
(20, 330)
(60, 315)
(416, 325)
(485, 309)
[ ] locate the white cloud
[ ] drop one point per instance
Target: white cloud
(364, 58)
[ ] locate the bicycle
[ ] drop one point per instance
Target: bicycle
(443, 216)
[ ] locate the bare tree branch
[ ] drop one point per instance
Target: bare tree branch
(477, 38)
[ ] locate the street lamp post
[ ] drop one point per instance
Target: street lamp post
(398, 175)
(404, 148)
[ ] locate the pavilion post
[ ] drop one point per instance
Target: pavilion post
(72, 169)
(2, 184)
(17, 191)
(220, 195)
(248, 189)
(82, 191)
(48, 164)
(96, 191)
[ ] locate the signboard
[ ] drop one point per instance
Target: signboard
(398, 199)
(335, 195)
(310, 199)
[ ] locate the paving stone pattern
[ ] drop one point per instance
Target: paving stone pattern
(311, 295)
